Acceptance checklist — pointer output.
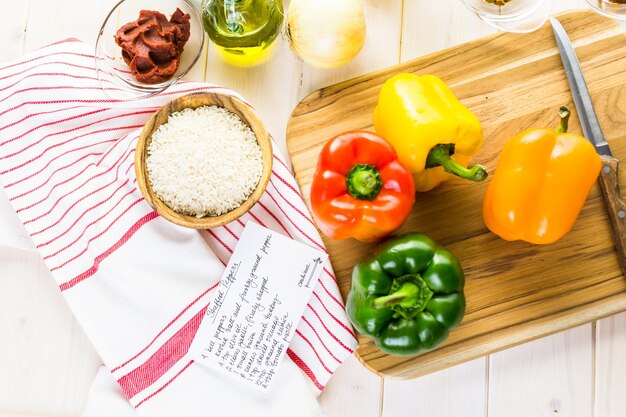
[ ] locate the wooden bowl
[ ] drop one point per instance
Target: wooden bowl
(232, 104)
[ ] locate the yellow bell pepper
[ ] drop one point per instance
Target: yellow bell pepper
(433, 133)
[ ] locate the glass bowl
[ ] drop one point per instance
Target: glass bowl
(609, 8)
(520, 16)
(115, 77)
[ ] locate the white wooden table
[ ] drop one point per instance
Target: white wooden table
(577, 373)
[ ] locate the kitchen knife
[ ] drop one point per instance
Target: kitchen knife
(608, 179)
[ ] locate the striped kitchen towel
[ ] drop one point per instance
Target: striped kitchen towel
(138, 284)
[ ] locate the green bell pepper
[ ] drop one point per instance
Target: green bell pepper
(408, 296)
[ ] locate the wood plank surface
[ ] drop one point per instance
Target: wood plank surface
(509, 393)
(46, 361)
(532, 381)
(14, 30)
(610, 367)
(381, 49)
(40, 337)
(459, 394)
(516, 292)
(459, 390)
(428, 27)
(353, 391)
(453, 392)
(272, 88)
(53, 389)
(50, 21)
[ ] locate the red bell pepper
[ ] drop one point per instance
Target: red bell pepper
(359, 188)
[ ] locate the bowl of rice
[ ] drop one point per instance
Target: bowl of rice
(203, 160)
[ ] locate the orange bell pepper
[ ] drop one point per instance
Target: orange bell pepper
(360, 189)
(541, 182)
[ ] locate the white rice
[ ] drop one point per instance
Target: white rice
(204, 161)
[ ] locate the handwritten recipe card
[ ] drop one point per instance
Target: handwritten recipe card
(258, 305)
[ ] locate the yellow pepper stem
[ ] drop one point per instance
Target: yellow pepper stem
(564, 114)
(440, 156)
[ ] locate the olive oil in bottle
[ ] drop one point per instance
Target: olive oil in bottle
(244, 31)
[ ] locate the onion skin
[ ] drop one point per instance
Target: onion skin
(326, 33)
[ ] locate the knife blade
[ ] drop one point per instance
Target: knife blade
(608, 179)
(582, 99)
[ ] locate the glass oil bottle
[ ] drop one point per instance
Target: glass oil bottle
(244, 31)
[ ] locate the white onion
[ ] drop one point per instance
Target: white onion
(326, 33)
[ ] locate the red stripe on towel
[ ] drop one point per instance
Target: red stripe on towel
(305, 368)
(304, 319)
(331, 334)
(96, 264)
(67, 246)
(165, 385)
(166, 327)
(339, 322)
(299, 333)
(162, 360)
(315, 242)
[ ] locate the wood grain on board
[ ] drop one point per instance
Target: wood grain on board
(516, 292)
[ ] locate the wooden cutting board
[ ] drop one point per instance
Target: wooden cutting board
(515, 291)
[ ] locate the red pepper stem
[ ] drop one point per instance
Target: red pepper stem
(364, 182)
(405, 294)
(564, 114)
(440, 155)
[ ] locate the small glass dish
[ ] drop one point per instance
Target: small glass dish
(115, 77)
(609, 8)
(519, 16)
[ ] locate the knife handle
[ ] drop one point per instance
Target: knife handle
(614, 205)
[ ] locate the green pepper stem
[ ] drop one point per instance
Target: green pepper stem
(440, 154)
(406, 293)
(564, 114)
(364, 182)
